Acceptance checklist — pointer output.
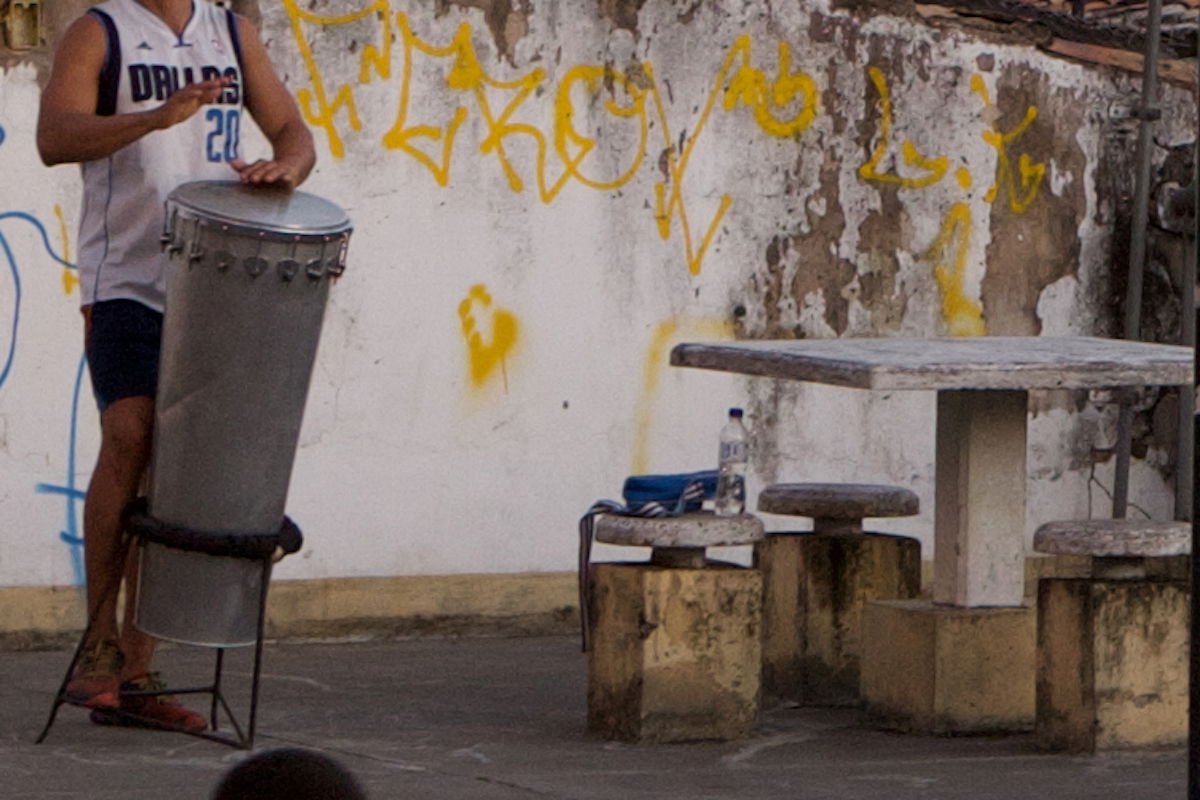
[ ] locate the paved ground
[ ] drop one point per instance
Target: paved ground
(504, 719)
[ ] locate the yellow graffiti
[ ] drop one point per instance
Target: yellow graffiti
(950, 250)
(934, 167)
(1022, 193)
(465, 75)
(669, 205)
(325, 113)
(566, 136)
(666, 335)
(949, 256)
(963, 176)
(783, 106)
(749, 86)
(485, 355)
(69, 279)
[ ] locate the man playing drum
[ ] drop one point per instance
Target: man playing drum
(145, 95)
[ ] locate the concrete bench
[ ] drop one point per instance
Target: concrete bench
(675, 650)
(838, 507)
(679, 541)
(818, 582)
(1117, 547)
(1112, 669)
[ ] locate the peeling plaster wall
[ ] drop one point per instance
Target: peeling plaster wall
(547, 197)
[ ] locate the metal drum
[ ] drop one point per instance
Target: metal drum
(248, 276)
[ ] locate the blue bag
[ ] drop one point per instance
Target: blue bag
(669, 490)
(645, 496)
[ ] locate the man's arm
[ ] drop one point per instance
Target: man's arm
(275, 111)
(70, 130)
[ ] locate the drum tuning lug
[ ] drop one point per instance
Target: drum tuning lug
(314, 268)
(196, 254)
(255, 266)
(224, 259)
(169, 244)
(336, 268)
(288, 268)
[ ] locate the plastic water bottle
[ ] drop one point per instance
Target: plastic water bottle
(731, 476)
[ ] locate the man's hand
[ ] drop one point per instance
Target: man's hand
(268, 173)
(187, 101)
(278, 117)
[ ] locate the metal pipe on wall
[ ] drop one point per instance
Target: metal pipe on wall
(1147, 113)
(1194, 665)
(1193, 773)
(1184, 471)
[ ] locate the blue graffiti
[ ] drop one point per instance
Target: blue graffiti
(10, 356)
(70, 491)
(16, 314)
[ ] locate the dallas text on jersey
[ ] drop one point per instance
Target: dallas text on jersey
(160, 81)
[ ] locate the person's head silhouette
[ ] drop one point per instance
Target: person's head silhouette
(292, 773)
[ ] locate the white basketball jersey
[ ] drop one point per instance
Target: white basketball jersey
(120, 255)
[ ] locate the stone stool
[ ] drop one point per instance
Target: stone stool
(675, 644)
(1112, 648)
(816, 584)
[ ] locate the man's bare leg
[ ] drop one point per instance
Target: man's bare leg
(126, 427)
(126, 431)
(137, 647)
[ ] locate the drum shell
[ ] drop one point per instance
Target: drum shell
(198, 599)
(239, 341)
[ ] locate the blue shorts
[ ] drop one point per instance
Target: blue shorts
(122, 340)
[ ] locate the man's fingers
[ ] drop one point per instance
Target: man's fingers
(209, 90)
(252, 173)
(247, 171)
(188, 99)
(272, 173)
(264, 172)
(203, 92)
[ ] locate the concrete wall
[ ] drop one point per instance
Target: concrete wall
(548, 196)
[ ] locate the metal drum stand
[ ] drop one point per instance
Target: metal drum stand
(260, 547)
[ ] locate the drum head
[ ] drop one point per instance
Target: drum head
(264, 208)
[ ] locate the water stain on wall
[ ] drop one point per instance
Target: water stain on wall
(508, 21)
(883, 234)
(623, 13)
(819, 269)
(802, 265)
(1028, 252)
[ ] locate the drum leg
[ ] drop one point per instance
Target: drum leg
(214, 720)
(258, 648)
(113, 587)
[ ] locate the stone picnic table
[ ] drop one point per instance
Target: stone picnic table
(965, 662)
(982, 385)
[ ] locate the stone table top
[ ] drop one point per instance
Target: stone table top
(981, 362)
